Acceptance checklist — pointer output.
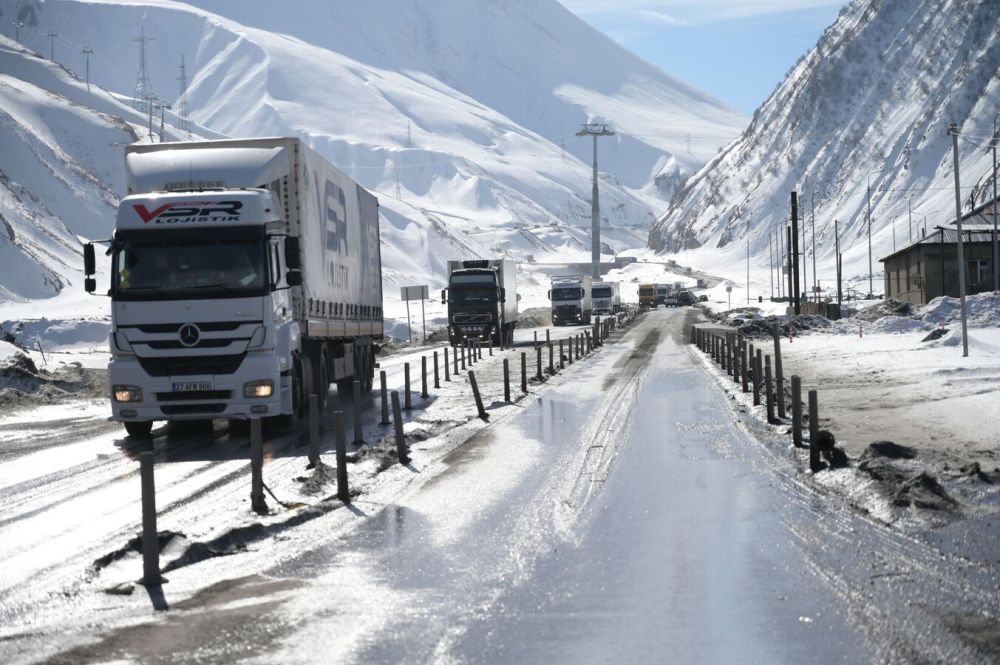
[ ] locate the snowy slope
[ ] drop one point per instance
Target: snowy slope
(877, 93)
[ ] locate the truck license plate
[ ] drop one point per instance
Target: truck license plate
(191, 386)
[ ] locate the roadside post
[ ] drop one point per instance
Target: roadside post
(402, 450)
(538, 358)
(562, 359)
(814, 463)
(423, 377)
(340, 441)
(447, 376)
(406, 387)
(385, 397)
(779, 387)
(313, 430)
(797, 411)
(359, 434)
(506, 380)
(768, 393)
(552, 367)
(257, 503)
(744, 373)
(437, 380)
(462, 349)
(150, 538)
(756, 379)
(524, 372)
(724, 353)
(547, 340)
(475, 393)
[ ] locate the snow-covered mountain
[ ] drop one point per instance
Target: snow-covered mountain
(872, 101)
(460, 115)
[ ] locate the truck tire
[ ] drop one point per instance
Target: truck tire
(139, 429)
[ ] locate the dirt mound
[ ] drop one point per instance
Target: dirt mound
(889, 450)
(906, 488)
(749, 322)
(22, 382)
(890, 307)
(534, 317)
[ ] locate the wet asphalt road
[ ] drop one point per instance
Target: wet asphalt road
(625, 515)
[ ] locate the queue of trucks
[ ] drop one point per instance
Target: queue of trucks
(246, 276)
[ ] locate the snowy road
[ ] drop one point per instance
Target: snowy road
(622, 514)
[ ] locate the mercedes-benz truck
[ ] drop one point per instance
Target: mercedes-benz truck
(482, 300)
(606, 297)
(571, 301)
(245, 276)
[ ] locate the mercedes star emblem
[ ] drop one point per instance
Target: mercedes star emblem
(189, 334)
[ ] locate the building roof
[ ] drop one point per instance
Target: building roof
(948, 235)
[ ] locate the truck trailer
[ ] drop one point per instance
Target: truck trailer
(606, 297)
(482, 300)
(246, 275)
(571, 302)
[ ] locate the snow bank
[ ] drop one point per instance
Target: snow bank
(982, 310)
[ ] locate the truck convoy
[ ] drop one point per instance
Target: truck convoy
(606, 297)
(571, 301)
(647, 295)
(246, 275)
(482, 300)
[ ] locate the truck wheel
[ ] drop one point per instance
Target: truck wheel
(139, 429)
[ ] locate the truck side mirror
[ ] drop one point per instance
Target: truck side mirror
(293, 277)
(292, 256)
(444, 296)
(89, 284)
(550, 294)
(89, 262)
(503, 294)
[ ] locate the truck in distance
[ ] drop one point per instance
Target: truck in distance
(571, 302)
(647, 295)
(662, 291)
(482, 300)
(246, 276)
(606, 297)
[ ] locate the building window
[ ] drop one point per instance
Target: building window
(979, 273)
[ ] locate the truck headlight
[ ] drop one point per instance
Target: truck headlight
(126, 393)
(256, 389)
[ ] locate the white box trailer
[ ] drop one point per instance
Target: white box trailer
(246, 275)
(482, 300)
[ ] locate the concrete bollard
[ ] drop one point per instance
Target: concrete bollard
(779, 375)
(447, 376)
(437, 381)
(479, 399)
(423, 377)
(340, 444)
(562, 359)
(506, 380)
(768, 393)
(359, 433)
(402, 450)
(150, 537)
(814, 462)
(257, 503)
(524, 372)
(538, 358)
(313, 430)
(797, 411)
(385, 397)
(756, 379)
(407, 405)
(552, 367)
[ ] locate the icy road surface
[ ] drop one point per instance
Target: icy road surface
(623, 514)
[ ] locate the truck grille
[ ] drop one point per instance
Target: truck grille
(191, 395)
(180, 409)
(479, 317)
(192, 365)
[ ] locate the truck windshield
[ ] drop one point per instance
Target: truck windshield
(604, 292)
(163, 265)
(467, 293)
(646, 291)
(567, 294)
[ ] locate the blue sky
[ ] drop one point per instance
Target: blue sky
(735, 50)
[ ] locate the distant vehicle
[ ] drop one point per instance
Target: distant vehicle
(625, 260)
(482, 300)
(678, 286)
(647, 295)
(702, 284)
(571, 301)
(671, 301)
(686, 298)
(245, 276)
(606, 297)
(662, 291)
(703, 298)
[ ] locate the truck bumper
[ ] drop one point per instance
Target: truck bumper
(221, 397)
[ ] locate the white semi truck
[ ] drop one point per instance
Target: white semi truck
(245, 276)
(571, 301)
(606, 297)
(482, 300)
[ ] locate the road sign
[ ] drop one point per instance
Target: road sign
(409, 293)
(729, 289)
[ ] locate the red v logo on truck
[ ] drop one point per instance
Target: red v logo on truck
(147, 215)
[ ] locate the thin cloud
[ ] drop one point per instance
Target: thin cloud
(661, 18)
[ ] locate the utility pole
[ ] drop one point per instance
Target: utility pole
(87, 52)
(815, 280)
(162, 106)
(185, 125)
(749, 223)
(909, 216)
(17, 30)
(836, 240)
(143, 95)
(781, 262)
(871, 289)
(953, 130)
(790, 287)
(796, 292)
(52, 45)
(595, 129)
(770, 262)
(150, 111)
(996, 250)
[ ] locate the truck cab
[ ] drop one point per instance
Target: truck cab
(571, 300)
(606, 298)
(647, 295)
(480, 306)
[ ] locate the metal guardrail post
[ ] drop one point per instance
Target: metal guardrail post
(359, 433)
(385, 396)
(479, 399)
(150, 536)
(257, 503)
(524, 372)
(506, 380)
(797, 411)
(423, 377)
(437, 380)
(340, 443)
(402, 450)
(407, 405)
(313, 430)
(814, 461)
